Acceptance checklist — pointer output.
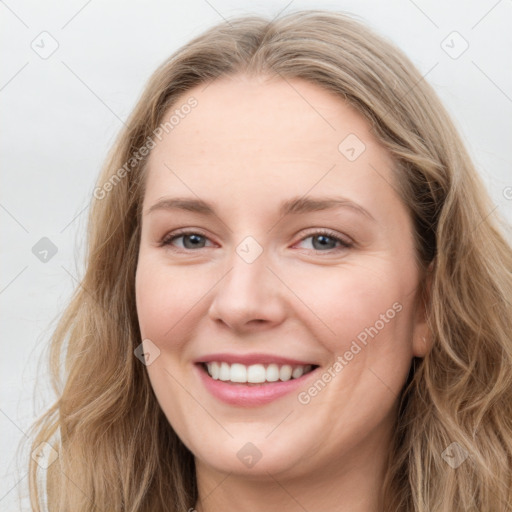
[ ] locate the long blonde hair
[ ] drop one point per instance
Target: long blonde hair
(117, 450)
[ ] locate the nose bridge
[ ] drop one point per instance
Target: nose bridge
(248, 291)
(247, 279)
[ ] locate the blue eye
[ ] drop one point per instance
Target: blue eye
(195, 240)
(326, 241)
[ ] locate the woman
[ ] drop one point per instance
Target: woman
(295, 298)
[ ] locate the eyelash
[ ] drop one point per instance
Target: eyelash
(168, 239)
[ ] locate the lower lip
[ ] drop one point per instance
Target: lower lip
(244, 395)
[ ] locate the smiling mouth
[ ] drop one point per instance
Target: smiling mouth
(255, 374)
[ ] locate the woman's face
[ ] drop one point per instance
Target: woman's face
(288, 250)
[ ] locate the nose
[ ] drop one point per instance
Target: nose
(249, 297)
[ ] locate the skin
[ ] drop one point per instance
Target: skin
(250, 143)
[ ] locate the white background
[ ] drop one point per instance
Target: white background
(61, 114)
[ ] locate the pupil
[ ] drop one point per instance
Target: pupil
(322, 237)
(192, 238)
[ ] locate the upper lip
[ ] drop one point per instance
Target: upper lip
(248, 359)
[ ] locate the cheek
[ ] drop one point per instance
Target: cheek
(368, 315)
(353, 303)
(166, 299)
(151, 300)
(366, 320)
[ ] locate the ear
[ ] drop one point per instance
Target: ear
(422, 335)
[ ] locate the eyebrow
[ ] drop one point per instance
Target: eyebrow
(293, 206)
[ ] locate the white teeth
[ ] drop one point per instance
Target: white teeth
(215, 370)
(255, 373)
(297, 372)
(285, 372)
(224, 372)
(272, 372)
(238, 373)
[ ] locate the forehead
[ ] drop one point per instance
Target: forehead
(274, 113)
(250, 134)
